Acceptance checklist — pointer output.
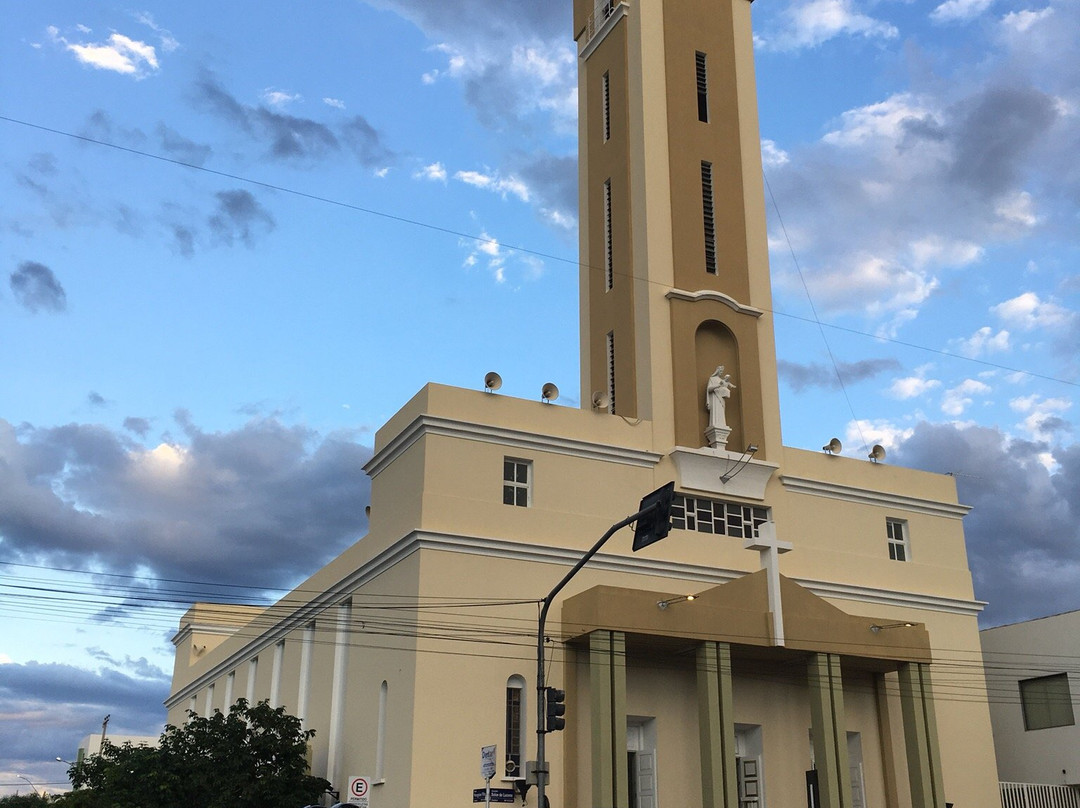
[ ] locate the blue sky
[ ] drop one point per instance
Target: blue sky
(304, 212)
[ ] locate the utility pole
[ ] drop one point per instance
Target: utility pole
(653, 523)
(104, 726)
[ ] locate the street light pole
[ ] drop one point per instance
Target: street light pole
(656, 504)
(27, 779)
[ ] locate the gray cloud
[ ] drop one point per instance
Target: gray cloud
(36, 288)
(238, 216)
(176, 145)
(95, 399)
(814, 374)
(1023, 534)
(290, 137)
(552, 178)
(138, 426)
(198, 509)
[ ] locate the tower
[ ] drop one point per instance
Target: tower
(675, 278)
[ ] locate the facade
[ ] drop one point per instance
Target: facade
(1035, 699)
(827, 591)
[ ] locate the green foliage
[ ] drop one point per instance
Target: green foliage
(26, 801)
(253, 756)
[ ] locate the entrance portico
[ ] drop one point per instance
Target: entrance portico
(717, 656)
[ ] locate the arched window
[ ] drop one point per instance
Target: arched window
(515, 727)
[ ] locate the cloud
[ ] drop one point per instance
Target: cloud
(1023, 534)
(495, 183)
(811, 23)
(435, 171)
(179, 147)
(168, 41)
(983, 341)
(36, 288)
(801, 377)
(239, 216)
(196, 508)
(912, 387)
(280, 98)
(959, 398)
(336, 103)
(1028, 313)
(138, 426)
(959, 10)
(290, 137)
(118, 54)
(95, 399)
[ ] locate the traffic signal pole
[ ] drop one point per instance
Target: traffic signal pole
(659, 502)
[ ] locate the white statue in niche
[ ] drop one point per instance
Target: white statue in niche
(717, 391)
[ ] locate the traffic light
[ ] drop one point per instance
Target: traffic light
(556, 709)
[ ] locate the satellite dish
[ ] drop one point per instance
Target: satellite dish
(549, 392)
(492, 382)
(834, 447)
(600, 400)
(877, 454)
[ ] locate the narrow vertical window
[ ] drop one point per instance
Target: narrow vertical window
(230, 684)
(208, 708)
(606, 92)
(708, 216)
(253, 671)
(702, 88)
(611, 370)
(380, 746)
(517, 482)
(275, 674)
(896, 531)
(515, 726)
(609, 264)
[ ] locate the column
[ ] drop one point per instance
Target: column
(336, 733)
(830, 730)
(920, 736)
(607, 696)
(716, 725)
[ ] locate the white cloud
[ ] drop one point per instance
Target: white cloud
(868, 432)
(912, 386)
(1041, 415)
(983, 341)
(959, 398)
(808, 24)
(279, 98)
(382, 172)
(959, 10)
(336, 103)
(1019, 22)
(168, 41)
(772, 155)
(435, 172)
(1018, 208)
(1028, 312)
(495, 183)
(119, 54)
(885, 120)
(935, 250)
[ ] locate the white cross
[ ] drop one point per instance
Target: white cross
(770, 549)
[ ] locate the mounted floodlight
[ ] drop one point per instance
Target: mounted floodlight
(549, 392)
(492, 382)
(876, 628)
(834, 447)
(600, 400)
(663, 604)
(877, 454)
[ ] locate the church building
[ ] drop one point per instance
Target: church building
(807, 633)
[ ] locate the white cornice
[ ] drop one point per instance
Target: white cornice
(545, 554)
(516, 438)
(862, 496)
(719, 297)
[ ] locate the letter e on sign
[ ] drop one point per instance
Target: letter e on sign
(359, 788)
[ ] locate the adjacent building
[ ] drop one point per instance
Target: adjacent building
(802, 629)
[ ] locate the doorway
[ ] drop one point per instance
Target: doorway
(641, 762)
(748, 769)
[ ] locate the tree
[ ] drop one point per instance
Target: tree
(252, 756)
(26, 801)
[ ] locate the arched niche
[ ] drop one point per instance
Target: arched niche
(715, 344)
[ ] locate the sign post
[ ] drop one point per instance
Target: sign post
(487, 770)
(359, 791)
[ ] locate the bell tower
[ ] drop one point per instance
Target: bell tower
(674, 258)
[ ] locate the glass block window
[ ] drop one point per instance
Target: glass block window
(517, 482)
(1047, 702)
(713, 516)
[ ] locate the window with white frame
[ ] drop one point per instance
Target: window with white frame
(515, 727)
(714, 516)
(1047, 702)
(517, 482)
(897, 533)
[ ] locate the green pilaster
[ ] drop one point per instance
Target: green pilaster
(607, 687)
(830, 730)
(920, 736)
(716, 725)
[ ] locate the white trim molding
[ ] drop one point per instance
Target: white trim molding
(719, 297)
(862, 496)
(704, 470)
(593, 35)
(425, 425)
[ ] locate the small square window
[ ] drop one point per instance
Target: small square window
(517, 482)
(1047, 702)
(897, 534)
